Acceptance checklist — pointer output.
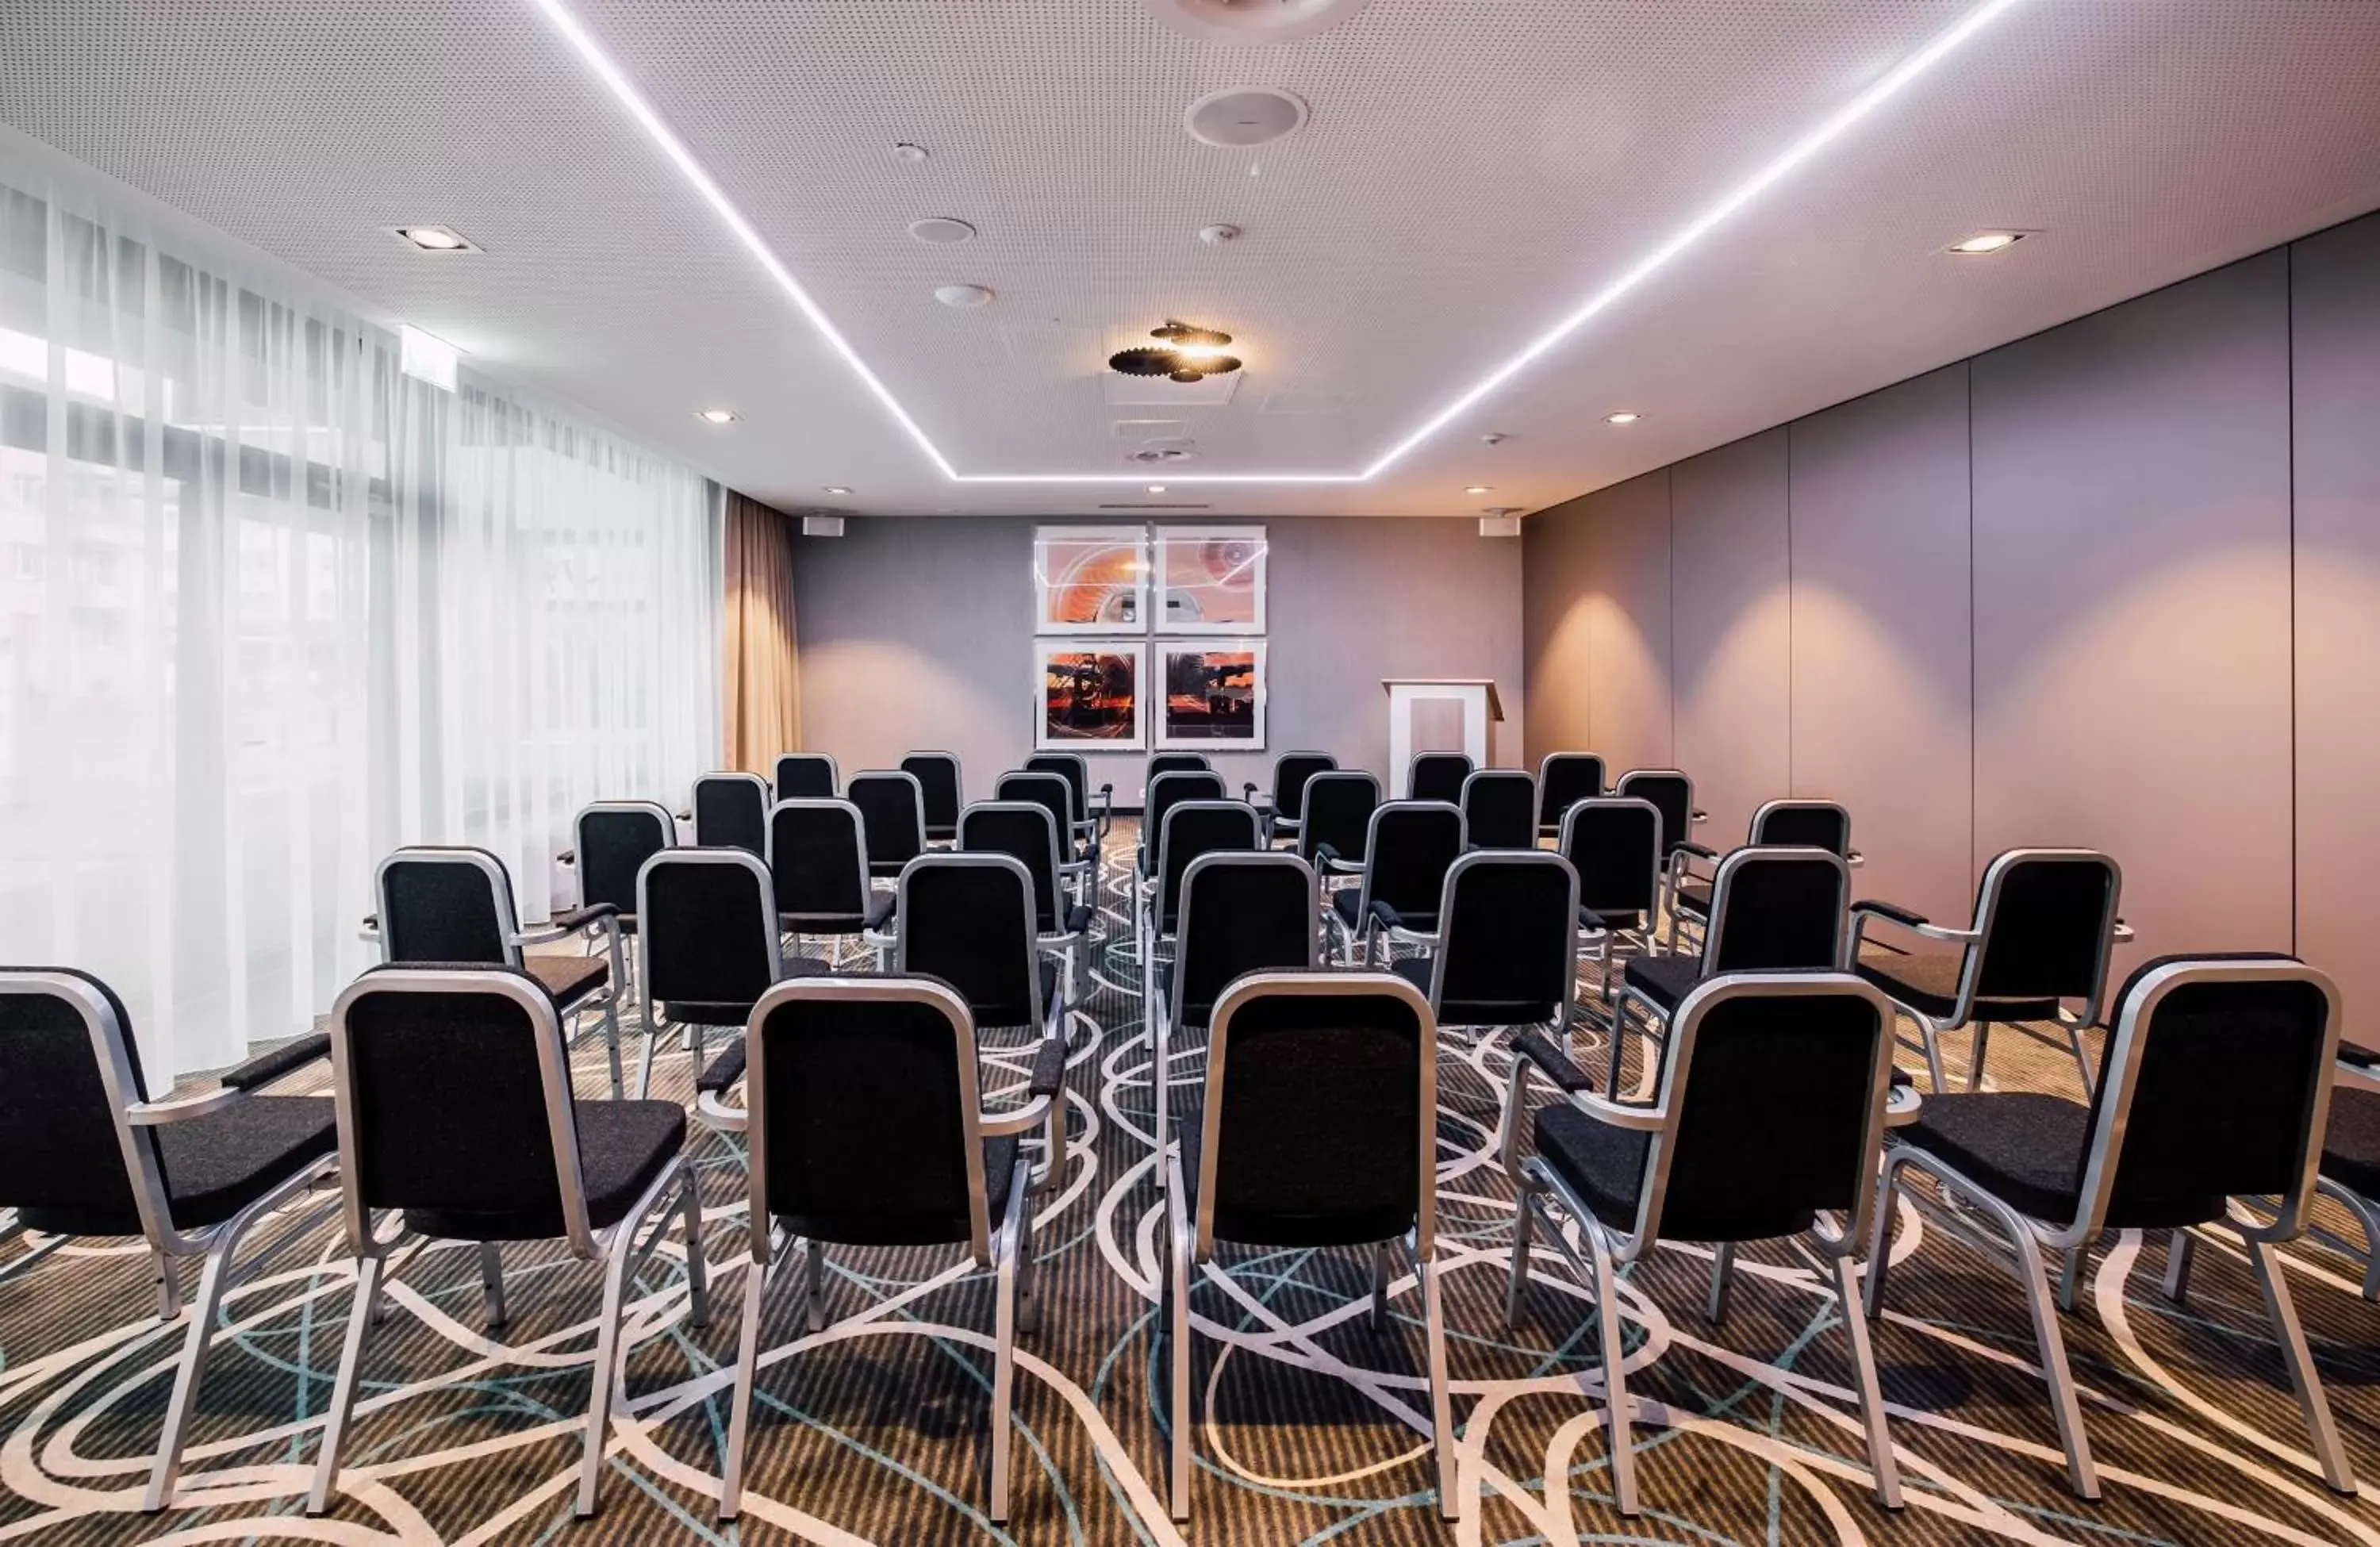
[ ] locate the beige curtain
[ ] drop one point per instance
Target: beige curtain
(763, 706)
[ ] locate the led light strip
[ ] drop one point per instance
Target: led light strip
(1885, 88)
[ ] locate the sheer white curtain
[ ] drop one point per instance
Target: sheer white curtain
(269, 608)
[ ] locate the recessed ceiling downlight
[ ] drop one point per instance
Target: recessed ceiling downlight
(941, 231)
(1239, 117)
(1255, 22)
(1983, 243)
(964, 296)
(433, 238)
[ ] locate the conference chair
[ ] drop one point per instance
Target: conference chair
(611, 841)
(1563, 780)
(1673, 793)
(818, 868)
(1166, 791)
(1026, 830)
(1090, 818)
(807, 776)
(966, 922)
(1507, 951)
(710, 945)
(1241, 913)
(1772, 911)
(864, 1128)
(1334, 834)
(1778, 824)
(1410, 846)
(85, 1151)
(452, 906)
(1614, 844)
(940, 788)
(1436, 777)
(456, 1113)
(1771, 1115)
(730, 810)
(1176, 762)
(2214, 1087)
(1285, 808)
(1500, 809)
(892, 806)
(1192, 828)
(2350, 1171)
(2043, 926)
(1317, 1127)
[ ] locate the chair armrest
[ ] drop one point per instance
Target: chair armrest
(1853, 860)
(1901, 1107)
(1327, 853)
(1698, 816)
(370, 928)
(1644, 1120)
(1698, 850)
(1907, 919)
(1049, 1068)
(266, 1068)
(155, 1114)
(718, 1114)
(580, 918)
(1538, 1049)
(2124, 933)
(1388, 915)
(685, 816)
(1024, 1119)
(568, 857)
(724, 1071)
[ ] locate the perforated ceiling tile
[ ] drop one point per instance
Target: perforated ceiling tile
(1471, 170)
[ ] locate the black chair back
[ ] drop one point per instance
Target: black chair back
(1290, 772)
(1177, 763)
(806, 776)
(1500, 809)
(1075, 770)
(893, 813)
(818, 863)
(1437, 777)
(1026, 830)
(966, 920)
(68, 1066)
(2047, 919)
(1776, 908)
(1615, 845)
(1320, 1117)
(1193, 828)
(939, 789)
(613, 839)
(1168, 790)
(1241, 913)
(446, 904)
(1803, 824)
(862, 1123)
(707, 931)
(454, 1101)
(1563, 780)
(1775, 1088)
(1052, 793)
(2214, 1085)
(1414, 844)
(1673, 793)
(1507, 940)
(1339, 807)
(731, 809)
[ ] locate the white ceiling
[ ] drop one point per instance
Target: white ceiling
(1473, 171)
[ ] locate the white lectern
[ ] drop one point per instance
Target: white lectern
(1438, 714)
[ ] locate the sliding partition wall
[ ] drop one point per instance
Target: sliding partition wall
(269, 608)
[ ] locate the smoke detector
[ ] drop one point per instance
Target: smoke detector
(1239, 117)
(1253, 22)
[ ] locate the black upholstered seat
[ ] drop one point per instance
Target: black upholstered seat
(623, 1146)
(2024, 1145)
(711, 1012)
(1603, 1162)
(215, 1165)
(2351, 1148)
(1666, 981)
(568, 979)
(1929, 981)
(1610, 919)
(918, 1229)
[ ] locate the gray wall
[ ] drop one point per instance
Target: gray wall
(917, 633)
(2116, 584)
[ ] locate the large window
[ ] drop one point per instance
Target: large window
(269, 608)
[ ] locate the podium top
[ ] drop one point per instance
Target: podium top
(1495, 705)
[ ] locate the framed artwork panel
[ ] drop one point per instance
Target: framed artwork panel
(1211, 695)
(1090, 580)
(1212, 579)
(1086, 695)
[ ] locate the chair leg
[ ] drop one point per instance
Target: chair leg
(2034, 1279)
(492, 1281)
(814, 1286)
(1177, 1331)
(1004, 1362)
(1524, 1224)
(611, 1028)
(1160, 1083)
(189, 1370)
(2069, 1276)
(1615, 1384)
(2081, 1059)
(2180, 1249)
(1936, 1080)
(645, 1062)
(1722, 1279)
(1975, 1068)
(697, 1270)
(1442, 1409)
(1380, 1270)
(169, 1286)
(360, 1321)
(1880, 1439)
(2303, 1377)
(607, 1367)
(1879, 1235)
(740, 1400)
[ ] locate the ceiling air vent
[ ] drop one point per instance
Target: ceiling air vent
(1155, 505)
(1160, 456)
(1253, 22)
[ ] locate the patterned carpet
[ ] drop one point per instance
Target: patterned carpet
(1312, 1429)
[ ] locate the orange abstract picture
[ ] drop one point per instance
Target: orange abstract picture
(1091, 695)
